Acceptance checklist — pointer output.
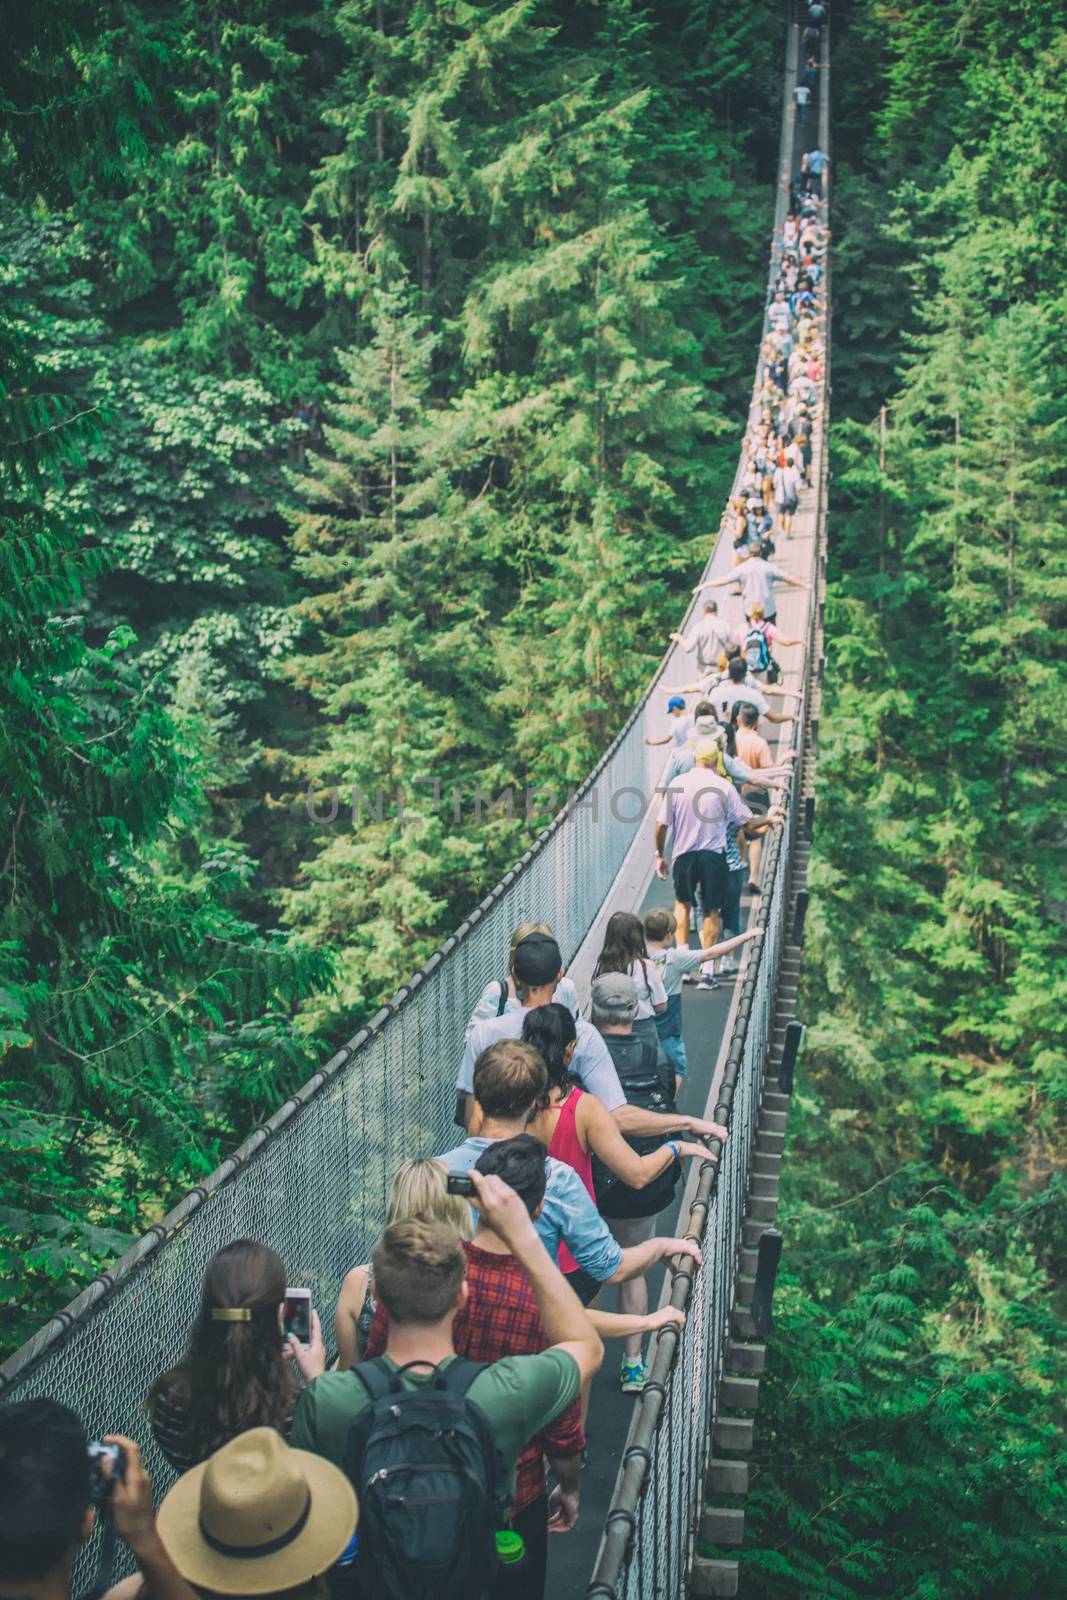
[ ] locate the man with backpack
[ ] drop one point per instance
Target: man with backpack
(647, 1076)
(430, 1440)
(757, 638)
(500, 1318)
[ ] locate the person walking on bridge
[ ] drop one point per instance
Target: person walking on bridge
(694, 812)
(757, 578)
(709, 638)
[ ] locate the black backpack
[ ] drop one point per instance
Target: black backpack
(431, 1486)
(647, 1079)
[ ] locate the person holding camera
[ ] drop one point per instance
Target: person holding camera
(53, 1487)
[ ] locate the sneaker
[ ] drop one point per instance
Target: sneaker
(708, 983)
(633, 1375)
(728, 964)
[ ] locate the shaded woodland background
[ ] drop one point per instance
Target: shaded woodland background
(372, 380)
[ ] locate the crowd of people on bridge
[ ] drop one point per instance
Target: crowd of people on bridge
(442, 1439)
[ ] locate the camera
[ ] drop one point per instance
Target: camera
(460, 1183)
(100, 1486)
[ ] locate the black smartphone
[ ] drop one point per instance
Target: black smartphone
(460, 1183)
(297, 1316)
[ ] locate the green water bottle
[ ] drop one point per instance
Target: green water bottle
(510, 1548)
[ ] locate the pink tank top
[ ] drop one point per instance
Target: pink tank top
(566, 1146)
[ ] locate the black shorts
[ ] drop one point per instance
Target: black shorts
(585, 1286)
(786, 508)
(704, 870)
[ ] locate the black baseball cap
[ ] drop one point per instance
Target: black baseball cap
(538, 960)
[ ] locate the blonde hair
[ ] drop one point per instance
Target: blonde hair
(419, 1190)
(756, 610)
(522, 932)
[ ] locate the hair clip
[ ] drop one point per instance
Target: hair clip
(230, 1314)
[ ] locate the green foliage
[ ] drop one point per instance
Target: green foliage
(141, 1017)
(373, 368)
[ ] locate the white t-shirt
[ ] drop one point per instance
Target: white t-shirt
(681, 729)
(803, 94)
(650, 990)
(591, 1063)
(489, 1002)
(756, 577)
(778, 311)
(786, 484)
(728, 695)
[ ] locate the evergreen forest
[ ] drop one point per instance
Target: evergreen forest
(368, 369)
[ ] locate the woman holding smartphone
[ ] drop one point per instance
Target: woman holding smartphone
(235, 1373)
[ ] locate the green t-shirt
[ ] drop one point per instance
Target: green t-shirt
(519, 1396)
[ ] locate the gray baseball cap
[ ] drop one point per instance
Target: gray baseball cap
(614, 997)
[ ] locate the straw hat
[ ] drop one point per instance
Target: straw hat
(257, 1517)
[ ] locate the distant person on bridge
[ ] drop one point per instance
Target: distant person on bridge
(758, 639)
(709, 638)
(778, 311)
(818, 161)
(786, 491)
(754, 750)
(816, 13)
(708, 726)
(682, 723)
(675, 962)
(694, 813)
(757, 578)
(741, 688)
(802, 94)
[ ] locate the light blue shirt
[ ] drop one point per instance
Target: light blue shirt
(591, 1065)
(568, 1215)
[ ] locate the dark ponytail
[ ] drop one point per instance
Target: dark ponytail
(234, 1374)
(550, 1029)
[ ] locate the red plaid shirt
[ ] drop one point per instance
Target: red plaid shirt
(501, 1319)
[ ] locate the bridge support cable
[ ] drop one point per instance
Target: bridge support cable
(694, 1425)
